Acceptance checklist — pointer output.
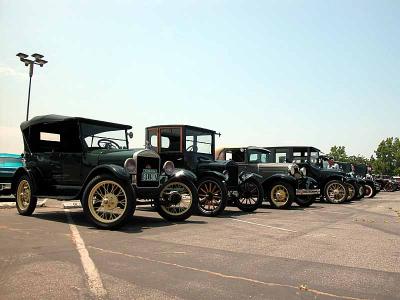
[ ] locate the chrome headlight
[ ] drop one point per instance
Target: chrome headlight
(169, 167)
(226, 174)
(303, 171)
(292, 170)
(130, 166)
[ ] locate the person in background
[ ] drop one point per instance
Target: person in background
(332, 164)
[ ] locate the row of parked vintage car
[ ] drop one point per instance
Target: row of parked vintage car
(180, 172)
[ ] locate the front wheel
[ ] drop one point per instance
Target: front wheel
(108, 202)
(25, 201)
(336, 192)
(251, 195)
(213, 196)
(305, 201)
(281, 194)
(351, 192)
(177, 200)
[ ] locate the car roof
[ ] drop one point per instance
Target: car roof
(245, 147)
(182, 125)
(311, 147)
(49, 119)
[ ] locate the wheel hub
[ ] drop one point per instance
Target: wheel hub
(110, 201)
(210, 196)
(281, 196)
(175, 198)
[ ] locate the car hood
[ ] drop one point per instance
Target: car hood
(117, 157)
(215, 164)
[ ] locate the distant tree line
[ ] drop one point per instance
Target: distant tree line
(386, 160)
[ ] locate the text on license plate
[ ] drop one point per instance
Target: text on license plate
(150, 175)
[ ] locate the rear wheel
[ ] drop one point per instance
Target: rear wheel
(250, 195)
(281, 194)
(108, 202)
(25, 201)
(213, 196)
(369, 191)
(335, 192)
(177, 200)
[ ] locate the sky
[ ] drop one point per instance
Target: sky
(262, 73)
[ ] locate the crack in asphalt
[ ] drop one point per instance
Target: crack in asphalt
(226, 276)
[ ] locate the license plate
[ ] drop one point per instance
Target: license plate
(150, 175)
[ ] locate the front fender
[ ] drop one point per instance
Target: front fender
(20, 172)
(284, 177)
(115, 170)
(243, 176)
(183, 174)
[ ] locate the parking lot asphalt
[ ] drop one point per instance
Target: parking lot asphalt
(348, 251)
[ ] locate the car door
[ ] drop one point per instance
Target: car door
(46, 160)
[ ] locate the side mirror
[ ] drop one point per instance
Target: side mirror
(130, 134)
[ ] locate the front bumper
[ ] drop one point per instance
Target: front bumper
(306, 192)
(5, 186)
(307, 186)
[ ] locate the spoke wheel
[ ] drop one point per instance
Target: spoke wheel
(352, 192)
(336, 192)
(368, 191)
(281, 195)
(25, 202)
(212, 196)
(108, 201)
(177, 200)
(250, 195)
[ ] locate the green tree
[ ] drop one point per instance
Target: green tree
(338, 153)
(358, 159)
(387, 157)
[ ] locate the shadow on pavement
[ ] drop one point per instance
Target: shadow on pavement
(134, 223)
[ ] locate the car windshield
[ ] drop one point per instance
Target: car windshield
(98, 136)
(198, 141)
(258, 156)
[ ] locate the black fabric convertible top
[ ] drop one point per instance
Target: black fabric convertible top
(51, 119)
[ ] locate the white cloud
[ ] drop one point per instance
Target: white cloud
(10, 72)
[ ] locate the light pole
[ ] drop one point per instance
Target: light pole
(29, 62)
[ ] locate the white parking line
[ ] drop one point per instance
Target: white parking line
(93, 276)
(263, 225)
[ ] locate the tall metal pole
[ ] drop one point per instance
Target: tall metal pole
(29, 91)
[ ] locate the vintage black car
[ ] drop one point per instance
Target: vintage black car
(334, 184)
(283, 183)
(219, 182)
(386, 182)
(77, 158)
(365, 187)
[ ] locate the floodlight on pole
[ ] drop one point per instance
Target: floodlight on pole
(29, 62)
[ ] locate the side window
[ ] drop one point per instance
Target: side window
(152, 139)
(238, 155)
(253, 158)
(170, 139)
(280, 157)
(264, 158)
(59, 137)
(190, 143)
(228, 156)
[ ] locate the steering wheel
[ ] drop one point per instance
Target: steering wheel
(190, 148)
(108, 144)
